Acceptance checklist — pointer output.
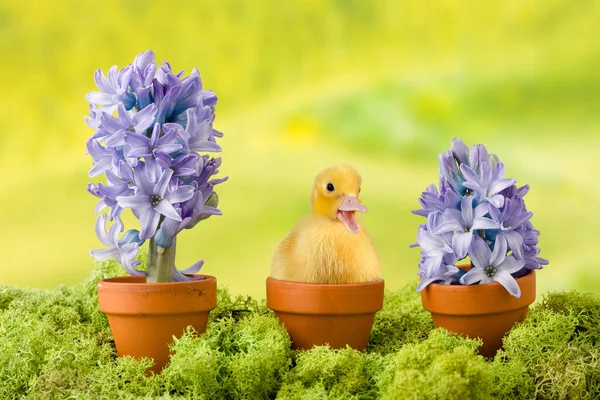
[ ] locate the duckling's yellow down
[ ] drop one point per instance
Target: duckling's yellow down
(330, 246)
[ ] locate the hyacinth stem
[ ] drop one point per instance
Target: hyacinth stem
(161, 262)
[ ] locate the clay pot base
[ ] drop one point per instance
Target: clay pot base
(479, 311)
(319, 314)
(144, 317)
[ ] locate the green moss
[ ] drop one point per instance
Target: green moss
(244, 359)
(402, 320)
(342, 373)
(554, 353)
(444, 366)
(57, 344)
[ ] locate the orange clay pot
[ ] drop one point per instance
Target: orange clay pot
(479, 311)
(144, 317)
(318, 314)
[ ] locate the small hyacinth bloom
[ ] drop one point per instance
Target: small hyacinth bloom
(192, 212)
(113, 90)
(477, 156)
(152, 200)
(530, 235)
(104, 158)
(139, 123)
(450, 172)
(432, 201)
(532, 261)
(434, 270)
(432, 245)
(108, 194)
(144, 69)
(511, 219)
(463, 223)
(142, 146)
(460, 151)
(493, 266)
(124, 251)
(198, 137)
(489, 184)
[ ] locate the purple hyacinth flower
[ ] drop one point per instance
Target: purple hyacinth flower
(113, 90)
(198, 136)
(124, 251)
(144, 69)
(532, 261)
(142, 146)
(152, 200)
(104, 158)
(434, 270)
(493, 266)
(124, 122)
(118, 186)
(433, 245)
(489, 184)
(432, 201)
(511, 219)
(460, 151)
(463, 223)
(477, 156)
(450, 172)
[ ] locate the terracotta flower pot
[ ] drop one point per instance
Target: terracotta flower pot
(144, 317)
(479, 311)
(318, 314)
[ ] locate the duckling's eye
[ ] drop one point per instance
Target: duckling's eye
(330, 187)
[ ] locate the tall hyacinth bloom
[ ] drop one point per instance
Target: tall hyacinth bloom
(152, 130)
(477, 213)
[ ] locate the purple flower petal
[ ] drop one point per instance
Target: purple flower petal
(183, 193)
(99, 98)
(140, 201)
(473, 276)
(460, 151)
(167, 209)
(484, 223)
(499, 253)
(479, 252)
(104, 254)
(194, 268)
(466, 206)
(461, 241)
(161, 186)
(451, 225)
(497, 200)
(509, 283)
(500, 184)
(100, 166)
(511, 264)
(149, 221)
(101, 230)
(468, 173)
(515, 242)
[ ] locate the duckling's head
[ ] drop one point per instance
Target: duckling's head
(336, 195)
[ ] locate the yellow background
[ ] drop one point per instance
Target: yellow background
(382, 85)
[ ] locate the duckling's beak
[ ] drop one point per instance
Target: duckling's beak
(346, 211)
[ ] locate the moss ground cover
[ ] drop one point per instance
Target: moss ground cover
(57, 344)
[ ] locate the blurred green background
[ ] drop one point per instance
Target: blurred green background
(381, 85)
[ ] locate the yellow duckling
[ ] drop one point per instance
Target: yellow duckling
(330, 246)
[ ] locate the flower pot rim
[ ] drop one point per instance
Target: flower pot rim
(131, 281)
(114, 296)
(474, 300)
(325, 299)
(323, 286)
